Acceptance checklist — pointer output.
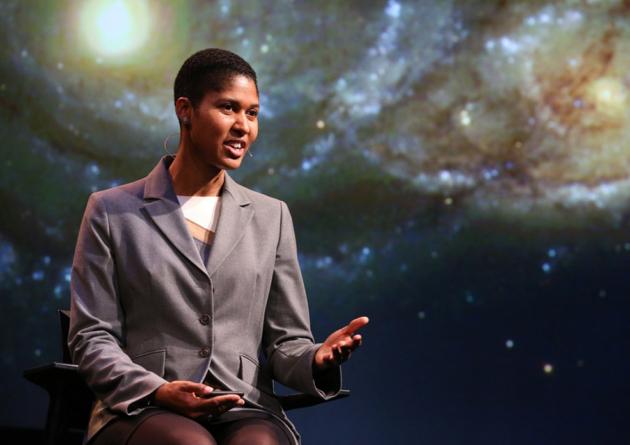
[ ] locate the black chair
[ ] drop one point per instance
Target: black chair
(71, 399)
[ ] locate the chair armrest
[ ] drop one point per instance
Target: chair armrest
(295, 401)
(70, 400)
(58, 376)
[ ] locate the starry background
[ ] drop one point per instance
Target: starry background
(456, 170)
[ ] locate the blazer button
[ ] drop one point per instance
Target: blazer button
(204, 352)
(204, 319)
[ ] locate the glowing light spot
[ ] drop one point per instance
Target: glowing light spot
(393, 9)
(115, 28)
(609, 95)
(448, 201)
(94, 169)
(324, 262)
(509, 45)
(509, 343)
(464, 118)
(422, 315)
(264, 48)
(544, 17)
(490, 173)
(548, 368)
(546, 267)
(551, 253)
(37, 275)
(321, 124)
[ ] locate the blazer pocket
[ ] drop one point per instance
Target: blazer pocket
(153, 361)
(253, 374)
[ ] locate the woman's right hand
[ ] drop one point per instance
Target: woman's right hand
(191, 399)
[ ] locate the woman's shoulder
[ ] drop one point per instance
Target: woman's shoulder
(259, 199)
(121, 195)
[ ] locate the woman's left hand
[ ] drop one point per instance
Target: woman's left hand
(339, 345)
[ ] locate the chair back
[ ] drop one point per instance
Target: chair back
(64, 325)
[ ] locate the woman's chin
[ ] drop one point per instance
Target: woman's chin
(231, 164)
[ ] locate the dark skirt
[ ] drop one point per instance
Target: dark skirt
(120, 430)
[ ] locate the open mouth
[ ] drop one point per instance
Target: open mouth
(235, 148)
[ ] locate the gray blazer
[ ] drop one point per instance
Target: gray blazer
(146, 310)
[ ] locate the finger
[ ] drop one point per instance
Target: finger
(197, 388)
(351, 343)
(228, 406)
(330, 358)
(357, 341)
(212, 402)
(220, 404)
(340, 355)
(355, 325)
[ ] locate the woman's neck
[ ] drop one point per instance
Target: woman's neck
(193, 177)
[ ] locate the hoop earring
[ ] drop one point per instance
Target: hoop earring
(165, 145)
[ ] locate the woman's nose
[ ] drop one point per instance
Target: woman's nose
(240, 123)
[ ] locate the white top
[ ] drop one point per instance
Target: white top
(201, 210)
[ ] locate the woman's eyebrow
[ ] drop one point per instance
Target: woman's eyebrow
(236, 101)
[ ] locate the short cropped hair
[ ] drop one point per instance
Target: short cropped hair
(209, 70)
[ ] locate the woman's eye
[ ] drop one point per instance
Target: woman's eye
(228, 107)
(253, 113)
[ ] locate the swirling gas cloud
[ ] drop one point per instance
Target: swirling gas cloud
(499, 109)
(525, 109)
(527, 112)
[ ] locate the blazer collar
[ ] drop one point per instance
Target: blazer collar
(159, 184)
(163, 207)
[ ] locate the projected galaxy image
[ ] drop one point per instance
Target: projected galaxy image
(456, 170)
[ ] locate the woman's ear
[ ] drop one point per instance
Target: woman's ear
(183, 109)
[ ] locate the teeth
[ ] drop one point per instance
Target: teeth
(237, 145)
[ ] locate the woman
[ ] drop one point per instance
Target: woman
(183, 279)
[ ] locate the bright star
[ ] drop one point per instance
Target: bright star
(115, 27)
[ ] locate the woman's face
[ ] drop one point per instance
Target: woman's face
(225, 124)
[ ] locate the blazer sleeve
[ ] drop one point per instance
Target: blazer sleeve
(96, 335)
(287, 338)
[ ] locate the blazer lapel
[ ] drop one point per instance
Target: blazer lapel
(236, 212)
(163, 208)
